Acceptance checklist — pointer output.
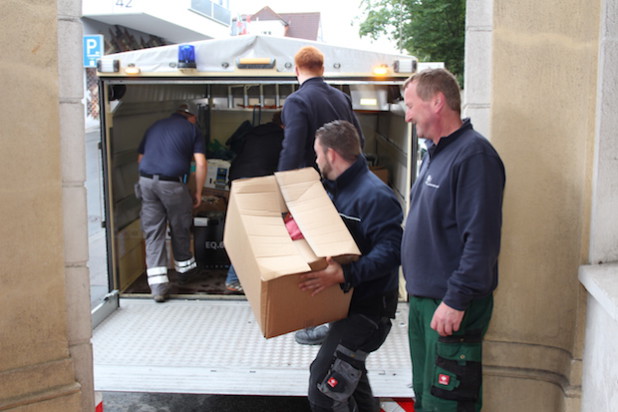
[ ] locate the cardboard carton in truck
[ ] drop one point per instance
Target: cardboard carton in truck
(269, 262)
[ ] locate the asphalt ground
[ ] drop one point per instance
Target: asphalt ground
(166, 402)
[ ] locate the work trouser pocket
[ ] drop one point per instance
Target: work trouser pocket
(458, 373)
(340, 381)
(138, 191)
(366, 333)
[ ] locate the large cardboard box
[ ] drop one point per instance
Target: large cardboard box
(213, 200)
(269, 263)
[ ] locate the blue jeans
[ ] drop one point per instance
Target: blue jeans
(231, 276)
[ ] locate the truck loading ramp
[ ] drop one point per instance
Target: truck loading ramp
(216, 347)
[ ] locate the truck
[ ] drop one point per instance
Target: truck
(229, 83)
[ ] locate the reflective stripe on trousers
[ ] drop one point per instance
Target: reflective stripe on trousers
(157, 275)
(185, 265)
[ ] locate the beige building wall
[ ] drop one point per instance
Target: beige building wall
(45, 350)
(600, 275)
(531, 79)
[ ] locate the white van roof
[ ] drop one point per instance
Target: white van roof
(223, 55)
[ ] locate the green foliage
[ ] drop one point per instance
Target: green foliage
(431, 30)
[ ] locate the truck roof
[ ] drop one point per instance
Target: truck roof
(229, 55)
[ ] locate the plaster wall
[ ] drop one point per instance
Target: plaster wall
(604, 226)
(478, 59)
(269, 27)
(541, 120)
(45, 351)
(600, 375)
(600, 276)
(600, 392)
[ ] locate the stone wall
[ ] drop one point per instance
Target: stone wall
(45, 351)
(531, 79)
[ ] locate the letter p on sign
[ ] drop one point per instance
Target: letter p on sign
(93, 49)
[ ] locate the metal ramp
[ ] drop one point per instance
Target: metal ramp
(216, 347)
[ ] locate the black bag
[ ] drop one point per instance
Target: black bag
(237, 140)
(259, 154)
(208, 242)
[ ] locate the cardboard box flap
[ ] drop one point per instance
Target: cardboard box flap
(260, 194)
(315, 213)
(259, 208)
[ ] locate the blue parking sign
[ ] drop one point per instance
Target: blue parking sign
(93, 49)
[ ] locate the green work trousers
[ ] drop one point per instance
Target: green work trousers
(446, 370)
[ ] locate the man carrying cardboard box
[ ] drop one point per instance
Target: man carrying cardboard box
(338, 377)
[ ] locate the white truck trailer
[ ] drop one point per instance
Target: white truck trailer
(227, 81)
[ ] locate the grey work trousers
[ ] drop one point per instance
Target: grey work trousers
(163, 203)
(355, 333)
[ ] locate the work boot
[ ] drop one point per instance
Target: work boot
(159, 291)
(188, 277)
(313, 335)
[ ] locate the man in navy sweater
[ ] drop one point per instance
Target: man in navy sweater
(164, 157)
(314, 104)
(450, 246)
(338, 379)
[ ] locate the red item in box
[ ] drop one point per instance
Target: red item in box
(292, 227)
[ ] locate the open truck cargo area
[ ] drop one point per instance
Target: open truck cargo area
(228, 83)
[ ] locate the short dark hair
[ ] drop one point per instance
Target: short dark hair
(431, 81)
(342, 137)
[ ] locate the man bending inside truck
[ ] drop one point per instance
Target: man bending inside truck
(165, 155)
(338, 378)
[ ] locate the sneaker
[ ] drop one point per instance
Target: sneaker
(235, 287)
(314, 335)
(159, 291)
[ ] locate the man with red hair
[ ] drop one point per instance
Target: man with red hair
(313, 105)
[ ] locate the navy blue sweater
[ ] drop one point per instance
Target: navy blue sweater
(373, 215)
(313, 105)
(452, 234)
(168, 146)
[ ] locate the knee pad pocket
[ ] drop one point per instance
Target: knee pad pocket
(458, 371)
(341, 380)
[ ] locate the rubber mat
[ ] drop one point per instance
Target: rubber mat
(216, 347)
(203, 282)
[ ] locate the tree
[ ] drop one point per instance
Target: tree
(431, 30)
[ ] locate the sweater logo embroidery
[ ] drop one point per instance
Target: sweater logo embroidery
(430, 184)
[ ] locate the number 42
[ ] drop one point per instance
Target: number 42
(124, 3)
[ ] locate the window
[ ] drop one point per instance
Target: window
(216, 10)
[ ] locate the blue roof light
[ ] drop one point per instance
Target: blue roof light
(186, 56)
